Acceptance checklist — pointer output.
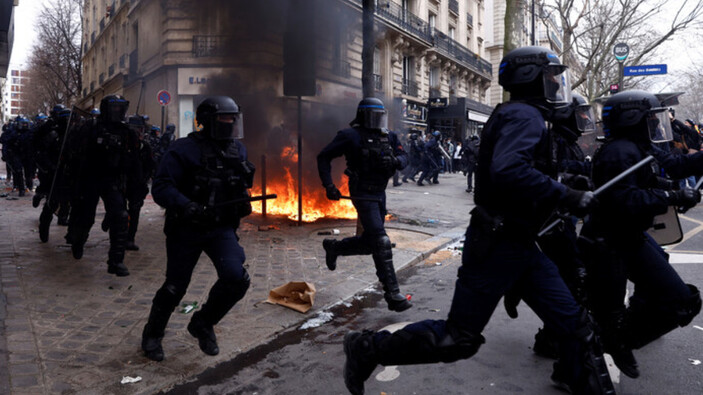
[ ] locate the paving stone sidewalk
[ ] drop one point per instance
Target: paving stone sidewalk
(69, 327)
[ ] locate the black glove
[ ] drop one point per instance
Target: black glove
(684, 199)
(194, 212)
(390, 162)
(333, 193)
(579, 203)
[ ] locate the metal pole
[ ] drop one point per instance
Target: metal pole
(621, 72)
(263, 184)
(163, 117)
(300, 161)
(367, 49)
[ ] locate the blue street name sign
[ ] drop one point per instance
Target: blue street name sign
(644, 70)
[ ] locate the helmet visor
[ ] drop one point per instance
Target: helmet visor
(116, 111)
(375, 118)
(228, 126)
(557, 85)
(585, 118)
(659, 125)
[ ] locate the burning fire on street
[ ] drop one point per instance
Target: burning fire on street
(315, 203)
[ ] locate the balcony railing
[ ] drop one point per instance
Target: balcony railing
(410, 88)
(452, 48)
(454, 6)
(435, 92)
(205, 46)
(400, 16)
(341, 68)
(378, 82)
(469, 20)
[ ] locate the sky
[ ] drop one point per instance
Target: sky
(25, 17)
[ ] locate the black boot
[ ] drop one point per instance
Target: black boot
(360, 360)
(153, 333)
(131, 246)
(36, 199)
(205, 333)
(78, 239)
(117, 268)
(330, 253)
(546, 344)
(383, 259)
(44, 223)
(614, 337)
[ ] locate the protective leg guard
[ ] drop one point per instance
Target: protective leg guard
(649, 321)
(360, 360)
(79, 237)
(222, 297)
(345, 247)
(118, 241)
(581, 369)
(165, 300)
(383, 260)
(133, 215)
(614, 333)
(45, 218)
(410, 347)
(330, 253)
(64, 211)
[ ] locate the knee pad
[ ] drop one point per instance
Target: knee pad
(169, 295)
(459, 344)
(382, 243)
(690, 307)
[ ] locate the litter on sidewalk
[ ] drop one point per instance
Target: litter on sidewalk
(296, 295)
(130, 380)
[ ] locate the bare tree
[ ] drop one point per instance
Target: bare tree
(55, 63)
(690, 103)
(590, 29)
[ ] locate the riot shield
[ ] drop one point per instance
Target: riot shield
(666, 228)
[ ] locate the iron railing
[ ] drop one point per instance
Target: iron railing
(448, 46)
(435, 92)
(403, 18)
(209, 45)
(410, 88)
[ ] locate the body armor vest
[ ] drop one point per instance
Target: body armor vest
(112, 145)
(371, 176)
(223, 176)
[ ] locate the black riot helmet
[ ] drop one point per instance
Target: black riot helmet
(113, 108)
(371, 114)
(573, 120)
(54, 113)
(636, 114)
(535, 73)
(221, 117)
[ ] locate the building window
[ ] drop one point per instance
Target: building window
(409, 87)
(452, 32)
(432, 19)
(434, 82)
(15, 73)
(453, 86)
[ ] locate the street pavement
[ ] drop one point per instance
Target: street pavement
(67, 326)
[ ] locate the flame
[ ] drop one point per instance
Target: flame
(315, 203)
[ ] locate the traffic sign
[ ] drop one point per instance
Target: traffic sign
(614, 88)
(163, 97)
(644, 70)
(621, 50)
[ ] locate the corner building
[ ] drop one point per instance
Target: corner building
(429, 65)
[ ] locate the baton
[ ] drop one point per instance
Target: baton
(602, 188)
(361, 199)
(246, 199)
(698, 184)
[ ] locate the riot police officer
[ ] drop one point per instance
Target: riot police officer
(108, 149)
(49, 145)
(415, 158)
(619, 249)
(431, 159)
(197, 182)
(513, 198)
(373, 154)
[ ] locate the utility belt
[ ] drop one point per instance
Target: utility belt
(486, 222)
(356, 184)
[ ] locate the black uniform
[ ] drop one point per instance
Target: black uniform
(372, 156)
(109, 148)
(197, 176)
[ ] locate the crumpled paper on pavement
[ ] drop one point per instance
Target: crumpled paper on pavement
(129, 380)
(296, 295)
